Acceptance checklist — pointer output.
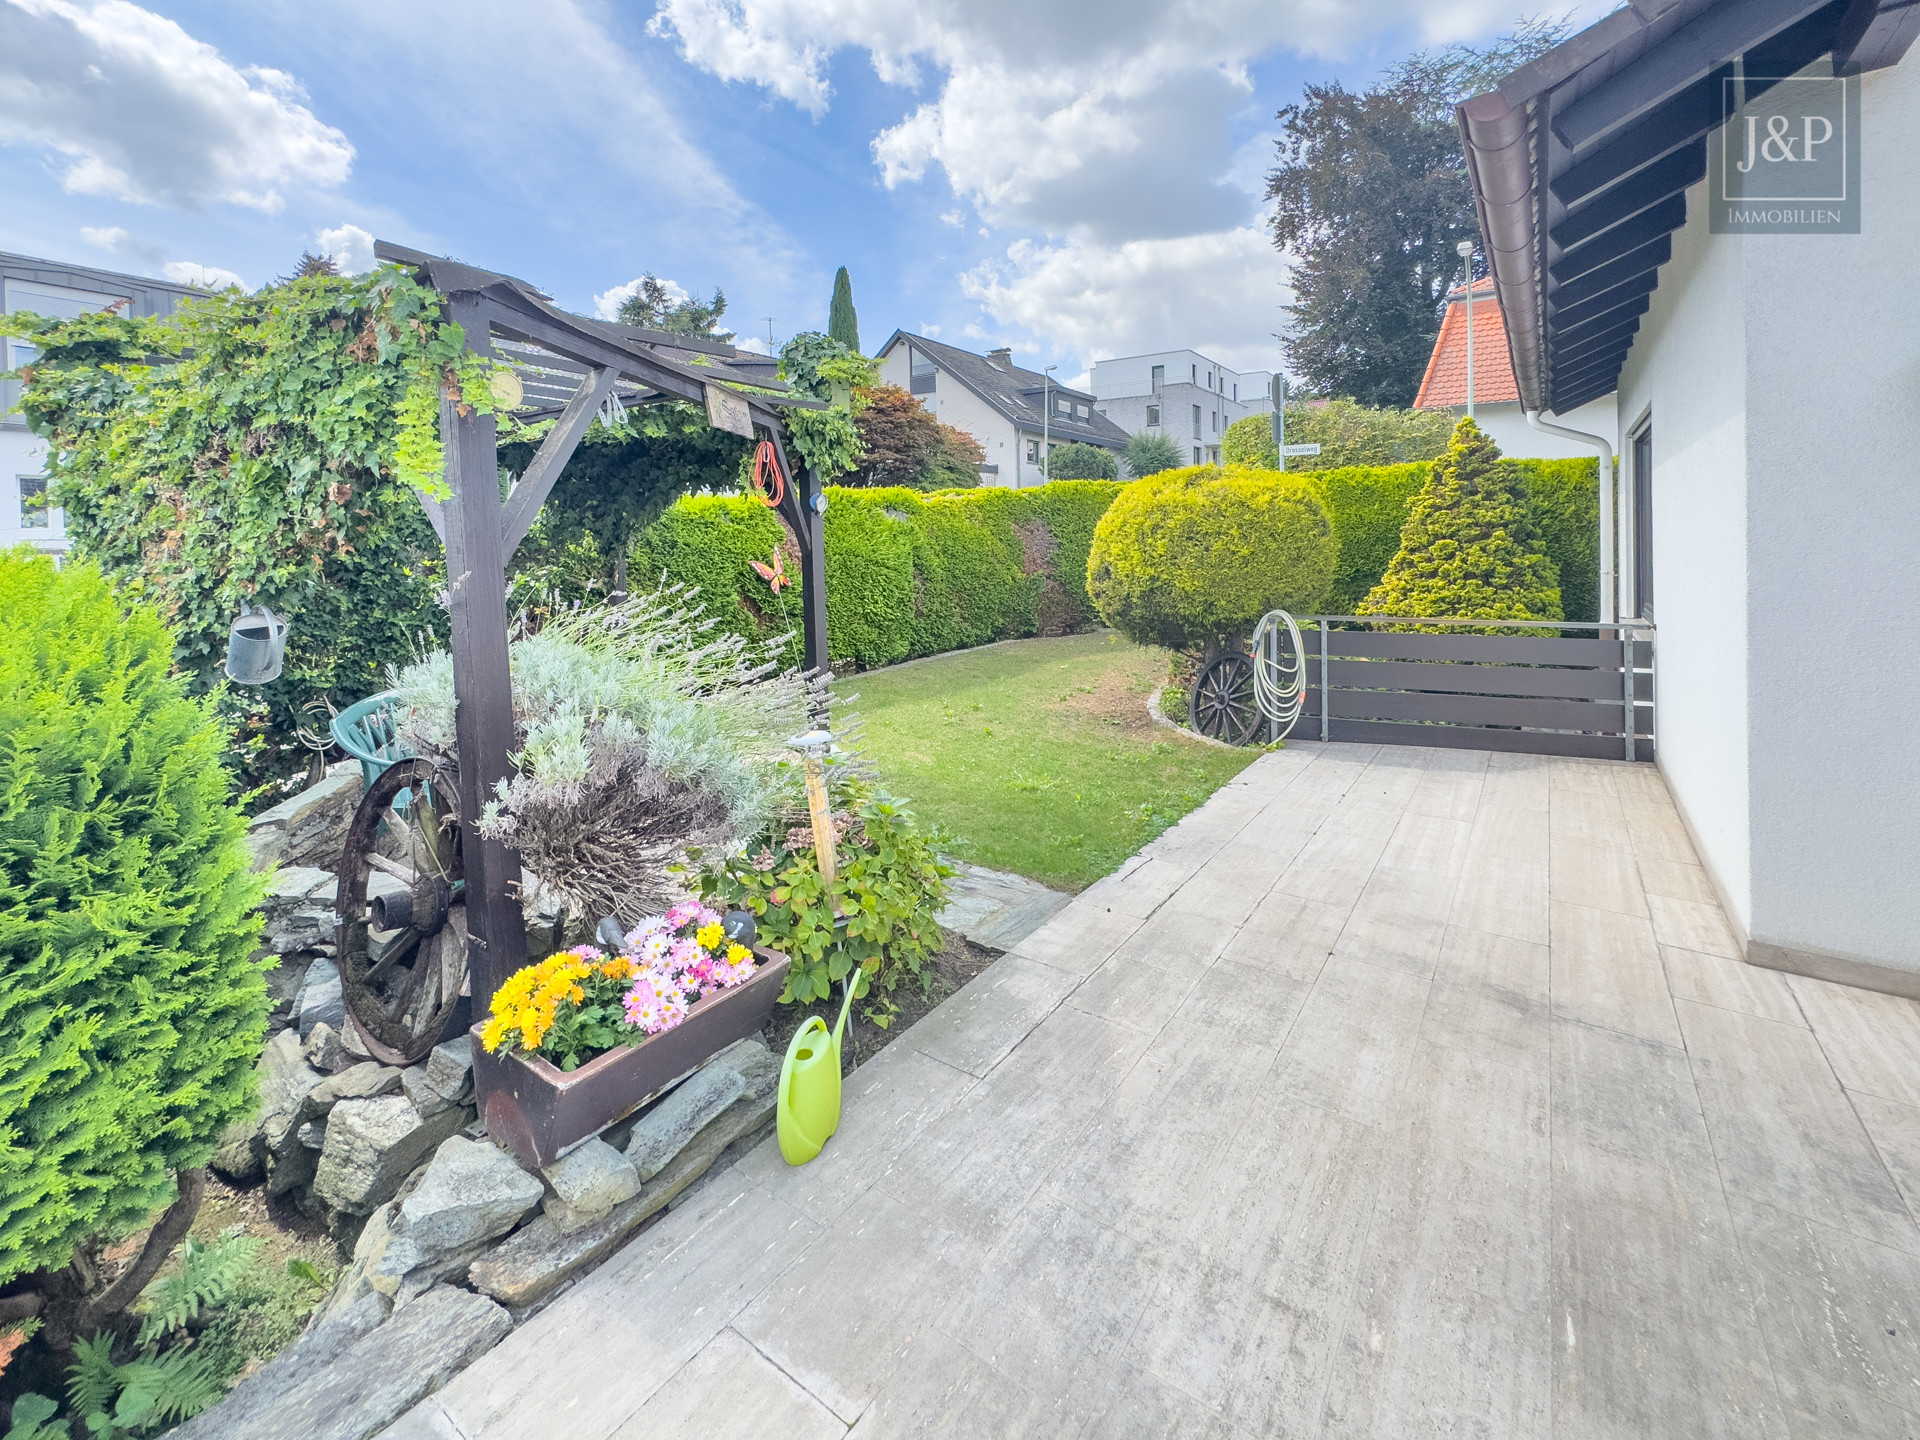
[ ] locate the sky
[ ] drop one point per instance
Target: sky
(1076, 179)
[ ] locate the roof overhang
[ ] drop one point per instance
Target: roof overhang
(1580, 163)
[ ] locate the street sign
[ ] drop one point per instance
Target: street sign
(1299, 449)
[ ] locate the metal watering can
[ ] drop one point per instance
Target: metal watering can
(256, 646)
(807, 1111)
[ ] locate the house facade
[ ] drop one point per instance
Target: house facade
(1181, 394)
(1017, 415)
(1496, 398)
(51, 287)
(1767, 393)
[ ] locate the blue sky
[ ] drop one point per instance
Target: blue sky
(1074, 179)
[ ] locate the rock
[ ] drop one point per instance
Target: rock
(313, 1134)
(238, 1156)
(364, 1386)
(587, 1182)
(283, 987)
(323, 1050)
(472, 1192)
(352, 1044)
(666, 1129)
(537, 1259)
(312, 825)
(754, 1063)
(285, 1082)
(321, 1002)
(371, 1145)
(292, 884)
(450, 1068)
(327, 1338)
(426, 1099)
(292, 1167)
(357, 1082)
(309, 928)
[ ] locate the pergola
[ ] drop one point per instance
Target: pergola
(568, 367)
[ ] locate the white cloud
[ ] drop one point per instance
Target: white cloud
(143, 112)
(953, 218)
(115, 240)
(209, 277)
(1220, 294)
(350, 246)
(608, 302)
(754, 345)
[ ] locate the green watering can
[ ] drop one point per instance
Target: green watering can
(808, 1109)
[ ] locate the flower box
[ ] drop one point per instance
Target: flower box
(537, 1110)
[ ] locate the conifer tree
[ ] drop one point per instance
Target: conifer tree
(842, 324)
(1467, 547)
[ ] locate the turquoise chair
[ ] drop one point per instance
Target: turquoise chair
(369, 732)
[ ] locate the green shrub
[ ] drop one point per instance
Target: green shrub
(1368, 507)
(889, 881)
(1468, 547)
(1563, 505)
(1149, 452)
(713, 542)
(1191, 558)
(132, 1015)
(1248, 443)
(1082, 462)
(1349, 433)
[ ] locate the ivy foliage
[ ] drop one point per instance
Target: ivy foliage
(132, 1013)
(1191, 559)
(1469, 547)
(262, 450)
(823, 368)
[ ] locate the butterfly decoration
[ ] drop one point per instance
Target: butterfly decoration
(775, 574)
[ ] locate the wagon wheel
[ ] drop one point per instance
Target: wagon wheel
(1221, 704)
(402, 912)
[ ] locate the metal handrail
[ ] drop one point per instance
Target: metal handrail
(1478, 620)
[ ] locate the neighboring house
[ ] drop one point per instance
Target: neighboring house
(1768, 392)
(1496, 398)
(51, 287)
(1012, 412)
(1182, 394)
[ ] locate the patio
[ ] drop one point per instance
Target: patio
(1395, 1092)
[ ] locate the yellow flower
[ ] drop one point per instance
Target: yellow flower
(737, 953)
(710, 936)
(494, 1032)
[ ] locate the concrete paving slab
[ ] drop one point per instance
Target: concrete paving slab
(995, 910)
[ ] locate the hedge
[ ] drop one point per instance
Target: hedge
(910, 573)
(907, 573)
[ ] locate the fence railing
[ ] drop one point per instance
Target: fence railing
(1548, 693)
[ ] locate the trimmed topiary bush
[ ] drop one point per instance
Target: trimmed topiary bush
(1563, 503)
(1192, 558)
(1468, 547)
(1368, 507)
(132, 1015)
(1082, 462)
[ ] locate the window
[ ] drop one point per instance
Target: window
(921, 365)
(1215, 416)
(1079, 410)
(1236, 392)
(14, 354)
(1033, 452)
(1196, 454)
(1643, 522)
(1196, 425)
(1193, 374)
(1062, 405)
(1159, 379)
(1153, 417)
(33, 502)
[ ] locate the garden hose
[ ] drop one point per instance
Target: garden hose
(768, 483)
(1279, 680)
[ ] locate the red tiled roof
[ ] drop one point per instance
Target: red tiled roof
(1445, 384)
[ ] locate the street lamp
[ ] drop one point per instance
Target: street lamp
(1465, 251)
(1046, 418)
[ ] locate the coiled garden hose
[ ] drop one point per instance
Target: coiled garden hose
(1279, 677)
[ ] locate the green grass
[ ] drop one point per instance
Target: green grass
(1038, 756)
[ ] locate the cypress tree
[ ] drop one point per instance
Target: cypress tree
(842, 324)
(1467, 547)
(131, 1011)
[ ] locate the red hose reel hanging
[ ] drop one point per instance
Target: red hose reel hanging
(768, 481)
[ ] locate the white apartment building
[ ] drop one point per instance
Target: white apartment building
(51, 287)
(1182, 394)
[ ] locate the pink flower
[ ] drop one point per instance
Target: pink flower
(683, 914)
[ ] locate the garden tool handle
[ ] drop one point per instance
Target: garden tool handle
(845, 1006)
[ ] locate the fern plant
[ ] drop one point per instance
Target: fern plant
(147, 1392)
(208, 1275)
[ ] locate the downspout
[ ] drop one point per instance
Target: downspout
(1608, 544)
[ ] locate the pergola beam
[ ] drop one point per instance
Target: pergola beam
(536, 482)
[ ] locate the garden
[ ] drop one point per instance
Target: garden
(301, 997)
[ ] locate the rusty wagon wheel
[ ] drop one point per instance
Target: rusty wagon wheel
(402, 934)
(1221, 704)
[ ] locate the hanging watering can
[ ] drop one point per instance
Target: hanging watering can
(808, 1109)
(256, 646)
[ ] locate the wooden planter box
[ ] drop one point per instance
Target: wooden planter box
(536, 1109)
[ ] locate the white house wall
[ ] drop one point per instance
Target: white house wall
(959, 407)
(1506, 425)
(1833, 462)
(1688, 362)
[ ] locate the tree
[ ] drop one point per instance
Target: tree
(842, 323)
(1192, 558)
(1149, 452)
(904, 445)
(1347, 434)
(1082, 462)
(1371, 196)
(655, 307)
(1468, 547)
(132, 1013)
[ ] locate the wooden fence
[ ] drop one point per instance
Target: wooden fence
(1531, 688)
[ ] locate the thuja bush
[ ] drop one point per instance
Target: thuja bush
(1192, 558)
(131, 1015)
(1469, 547)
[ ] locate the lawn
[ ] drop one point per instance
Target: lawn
(1038, 756)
